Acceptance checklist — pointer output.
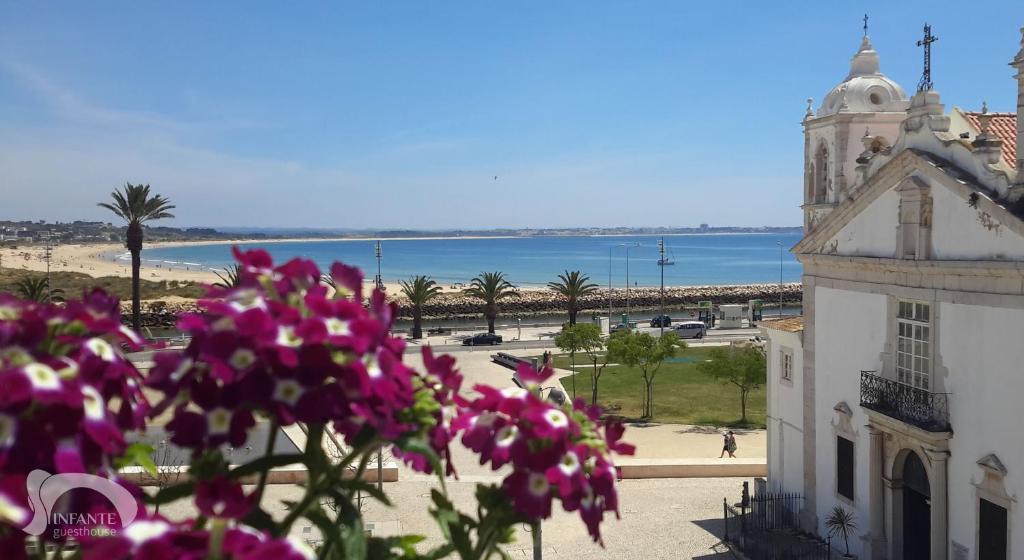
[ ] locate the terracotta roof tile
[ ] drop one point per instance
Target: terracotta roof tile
(1004, 127)
(788, 324)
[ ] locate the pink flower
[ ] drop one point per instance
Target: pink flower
(222, 498)
(554, 452)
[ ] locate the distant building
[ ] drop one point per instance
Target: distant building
(906, 393)
(784, 353)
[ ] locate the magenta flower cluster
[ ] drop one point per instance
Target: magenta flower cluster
(553, 452)
(281, 344)
(289, 345)
(157, 539)
(67, 395)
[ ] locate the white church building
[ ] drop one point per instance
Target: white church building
(900, 395)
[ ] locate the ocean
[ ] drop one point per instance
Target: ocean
(713, 259)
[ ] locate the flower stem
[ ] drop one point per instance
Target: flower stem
(216, 539)
(271, 441)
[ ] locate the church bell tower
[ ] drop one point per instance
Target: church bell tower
(863, 112)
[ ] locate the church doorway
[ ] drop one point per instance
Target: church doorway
(917, 512)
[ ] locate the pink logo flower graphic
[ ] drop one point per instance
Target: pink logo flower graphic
(44, 489)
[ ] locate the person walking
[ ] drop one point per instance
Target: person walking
(728, 445)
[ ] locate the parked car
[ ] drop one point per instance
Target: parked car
(482, 339)
(661, 321)
(691, 329)
(619, 327)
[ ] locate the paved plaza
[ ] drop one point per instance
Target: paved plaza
(668, 518)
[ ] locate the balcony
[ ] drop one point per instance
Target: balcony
(917, 407)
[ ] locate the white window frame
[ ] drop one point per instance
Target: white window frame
(914, 342)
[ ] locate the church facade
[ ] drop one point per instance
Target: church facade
(911, 349)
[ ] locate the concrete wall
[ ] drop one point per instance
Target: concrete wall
(785, 414)
(850, 331)
(872, 233)
(982, 351)
(962, 232)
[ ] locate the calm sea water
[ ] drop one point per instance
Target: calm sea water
(532, 261)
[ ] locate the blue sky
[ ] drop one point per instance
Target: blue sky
(400, 114)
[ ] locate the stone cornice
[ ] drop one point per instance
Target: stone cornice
(992, 283)
(972, 268)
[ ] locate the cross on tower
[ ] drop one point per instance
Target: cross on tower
(865, 25)
(926, 79)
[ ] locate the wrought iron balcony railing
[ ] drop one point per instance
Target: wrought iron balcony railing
(926, 410)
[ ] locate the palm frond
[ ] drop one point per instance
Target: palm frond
(231, 278)
(573, 285)
(38, 290)
(420, 289)
(490, 287)
(133, 204)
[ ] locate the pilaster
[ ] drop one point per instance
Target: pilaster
(878, 544)
(940, 503)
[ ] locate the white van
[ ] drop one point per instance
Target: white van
(691, 329)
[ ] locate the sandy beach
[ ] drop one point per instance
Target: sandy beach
(101, 259)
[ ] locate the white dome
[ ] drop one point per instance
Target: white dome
(865, 89)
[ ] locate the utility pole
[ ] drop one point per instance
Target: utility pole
(661, 264)
(380, 450)
(628, 247)
(378, 282)
(780, 278)
(610, 288)
(47, 255)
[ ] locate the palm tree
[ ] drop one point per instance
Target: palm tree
(419, 290)
(38, 290)
(231, 277)
(134, 205)
(491, 287)
(573, 286)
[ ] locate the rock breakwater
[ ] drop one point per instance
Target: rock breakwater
(163, 314)
(535, 302)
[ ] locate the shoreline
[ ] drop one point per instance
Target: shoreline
(103, 259)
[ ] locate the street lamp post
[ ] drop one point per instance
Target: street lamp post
(628, 247)
(610, 288)
(661, 265)
(780, 278)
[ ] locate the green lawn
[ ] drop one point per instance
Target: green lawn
(681, 393)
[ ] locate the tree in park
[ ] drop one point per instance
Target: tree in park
(585, 337)
(646, 352)
(573, 286)
(134, 205)
(419, 290)
(743, 367)
(597, 354)
(491, 287)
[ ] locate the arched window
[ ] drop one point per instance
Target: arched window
(821, 174)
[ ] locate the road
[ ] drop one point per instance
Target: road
(454, 348)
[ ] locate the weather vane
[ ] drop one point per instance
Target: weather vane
(926, 79)
(865, 25)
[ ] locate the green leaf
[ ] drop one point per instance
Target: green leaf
(172, 493)
(266, 463)
(259, 519)
(354, 537)
(138, 454)
(367, 487)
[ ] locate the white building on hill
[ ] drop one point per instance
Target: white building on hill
(912, 364)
